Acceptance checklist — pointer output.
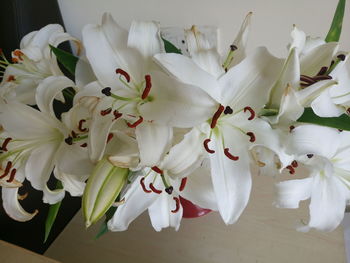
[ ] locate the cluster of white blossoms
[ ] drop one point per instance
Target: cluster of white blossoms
(148, 129)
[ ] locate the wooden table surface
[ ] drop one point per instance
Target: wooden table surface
(263, 234)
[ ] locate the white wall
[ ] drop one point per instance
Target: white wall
(272, 19)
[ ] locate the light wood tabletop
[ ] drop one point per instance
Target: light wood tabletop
(263, 234)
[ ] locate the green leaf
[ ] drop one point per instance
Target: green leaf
(104, 228)
(68, 60)
(342, 122)
(170, 48)
(335, 29)
(52, 214)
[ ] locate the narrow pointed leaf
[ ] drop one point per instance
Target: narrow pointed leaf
(170, 48)
(52, 214)
(342, 122)
(68, 60)
(102, 189)
(335, 29)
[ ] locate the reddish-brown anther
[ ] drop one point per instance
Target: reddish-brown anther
(291, 169)
(155, 190)
(106, 111)
(11, 78)
(142, 182)
(206, 147)
(183, 184)
(251, 111)
(157, 169)
(216, 116)
(291, 128)
(7, 169)
(80, 126)
(12, 175)
(83, 145)
(5, 143)
(177, 208)
(147, 88)
(110, 137)
(295, 164)
(117, 114)
(252, 136)
(123, 73)
(229, 155)
(136, 123)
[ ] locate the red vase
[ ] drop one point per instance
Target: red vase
(191, 210)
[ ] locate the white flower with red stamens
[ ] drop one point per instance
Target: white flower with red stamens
(32, 63)
(234, 129)
(328, 170)
(149, 100)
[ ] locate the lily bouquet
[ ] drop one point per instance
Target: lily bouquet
(149, 128)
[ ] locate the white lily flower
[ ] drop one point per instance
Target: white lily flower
(137, 91)
(328, 181)
(233, 129)
(32, 63)
(37, 142)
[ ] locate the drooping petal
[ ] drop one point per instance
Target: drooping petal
(48, 90)
(328, 201)
(136, 202)
(154, 141)
(176, 104)
(186, 70)
(71, 183)
(231, 179)
(323, 106)
(291, 192)
(249, 83)
(12, 207)
(314, 139)
(161, 215)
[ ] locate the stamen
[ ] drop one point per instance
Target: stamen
(69, 140)
(5, 143)
(123, 73)
(307, 79)
(83, 145)
(295, 164)
(74, 135)
(12, 175)
(106, 111)
(18, 53)
(252, 136)
(228, 110)
(229, 155)
(177, 208)
(80, 126)
(15, 60)
(291, 128)
(155, 190)
(183, 184)
(252, 112)
(341, 57)
(348, 111)
(233, 47)
(109, 138)
(11, 78)
(157, 169)
(291, 169)
(117, 114)
(206, 147)
(322, 71)
(340, 130)
(169, 190)
(216, 116)
(136, 123)
(147, 88)
(310, 155)
(106, 91)
(318, 78)
(143, 185)
(7, 169)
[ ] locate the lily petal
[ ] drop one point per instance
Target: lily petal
(291, 192)
(323, 106)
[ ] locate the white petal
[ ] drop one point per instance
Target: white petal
(291, 192)
(231, 179)
(161, 215)
(145, 37)
(323, 106)
(249, 83)
(73, 185)
(83, 73)
(154, 141)
(314, 139)
(48, 90)
(186, 70)
(298, 39)
(136, 201)
(177, 104)
(12, 207)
